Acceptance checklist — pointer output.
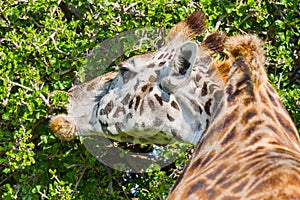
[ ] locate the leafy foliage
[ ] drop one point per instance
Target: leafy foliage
(43, 47)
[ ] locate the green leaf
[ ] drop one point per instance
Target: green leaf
(6, 116)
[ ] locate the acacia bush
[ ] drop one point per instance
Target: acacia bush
(44, 44)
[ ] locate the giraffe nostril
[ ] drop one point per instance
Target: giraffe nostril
(165, 95)
(160, 87)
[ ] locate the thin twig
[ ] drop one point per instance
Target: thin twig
(177, 168)
(245, 18)
(110, 184)
(36, 23)
(220, 19)
(5, 179)
(242, 31)
(43, 195)
(46, 41)
(18, 190)
(55, 177)
(80, 177)
(27, 88)
(279, 11)
(54, 42)
(127, 197)
(17, 84)
(130, 6)
(5, 101)
(55, 7)
(66, 71)
(279, 80)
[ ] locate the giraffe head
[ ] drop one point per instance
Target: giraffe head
(156, 97)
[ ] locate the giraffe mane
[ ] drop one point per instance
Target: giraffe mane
(249, 48)
(215, 43)
(223, 68)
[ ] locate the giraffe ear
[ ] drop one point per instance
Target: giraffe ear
(172, 77)
(185, 59)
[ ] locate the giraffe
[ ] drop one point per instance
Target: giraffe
(251, 149)
(142, 102)
(247, 146)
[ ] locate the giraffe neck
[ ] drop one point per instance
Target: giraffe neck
(250, 115)
(251, 148)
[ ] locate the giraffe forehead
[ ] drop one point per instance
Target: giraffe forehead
(143, 69)
(151, 60)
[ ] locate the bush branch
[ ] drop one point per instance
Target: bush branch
(26, 88)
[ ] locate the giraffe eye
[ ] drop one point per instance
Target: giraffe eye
(123, 69)
(125, 72)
